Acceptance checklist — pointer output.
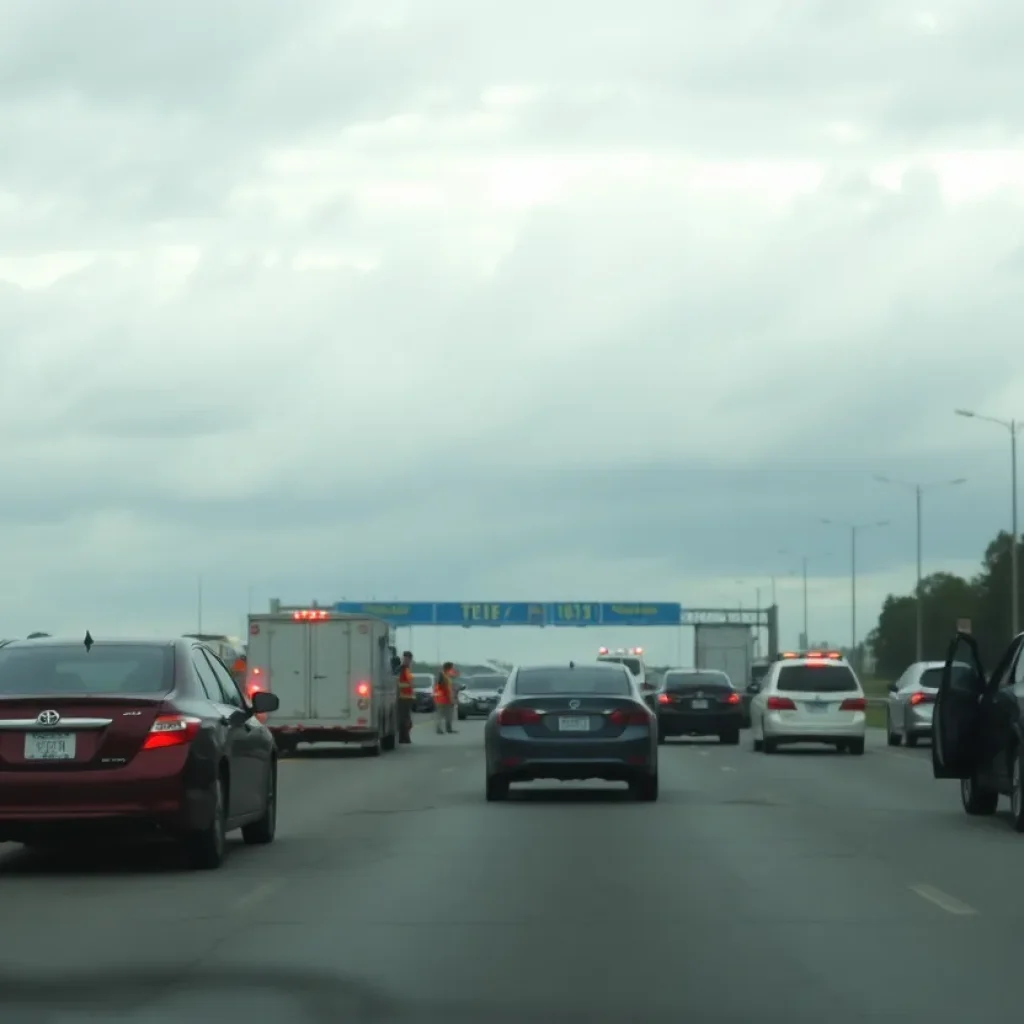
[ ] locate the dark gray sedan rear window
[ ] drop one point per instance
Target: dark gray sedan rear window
(67, 671)
(689, 682)
(535, 682)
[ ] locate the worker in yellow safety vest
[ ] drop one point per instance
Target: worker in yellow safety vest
(444, 698)
(406, 698)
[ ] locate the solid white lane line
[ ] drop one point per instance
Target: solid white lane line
(950, 904)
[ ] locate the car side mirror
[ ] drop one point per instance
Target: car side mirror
(893, 688)
(754, 688)
(263, 703)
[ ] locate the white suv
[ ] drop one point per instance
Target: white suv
(811, 697)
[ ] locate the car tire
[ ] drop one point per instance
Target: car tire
(462, 716)
(730, 739)
(769, 745)
(205, 848)
(285, 748)
(262, 831)
(645, 788)
(977, 800)
(497, 788)
(757, 744)
(894, 739)
(1016, 792)
(912, 739)
(855, 747)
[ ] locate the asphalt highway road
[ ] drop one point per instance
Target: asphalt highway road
(796, 887)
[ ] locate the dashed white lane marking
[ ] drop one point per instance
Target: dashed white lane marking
(726, 768)
(257, 895)
(449, 769)
(950, 904)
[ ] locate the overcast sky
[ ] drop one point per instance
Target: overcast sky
(463, 299)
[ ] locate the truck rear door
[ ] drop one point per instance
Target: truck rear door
(335, 677)
(281, 651)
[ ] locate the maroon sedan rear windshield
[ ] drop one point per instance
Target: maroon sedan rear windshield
(107, 669)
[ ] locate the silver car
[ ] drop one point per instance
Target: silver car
(479, 695)
(572, 722)
(908, 710)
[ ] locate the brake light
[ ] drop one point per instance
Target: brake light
(518, 716)
(362, 689)
(779, 704)
(730, 698)
(622, 717)
(310, 615)
(854, 704)
(922, 698)
(172, 731)
(664, 698)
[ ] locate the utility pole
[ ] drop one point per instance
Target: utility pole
(199, 603)
(854, 529)
(918, 490)
(1014, 428)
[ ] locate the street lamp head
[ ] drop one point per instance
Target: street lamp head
(883, 522)
(965, 412)
(882, 479)
(959, 480)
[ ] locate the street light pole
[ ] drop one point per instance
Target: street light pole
(807, 637)
(919, 490)
(854, 528)
(1014, 428)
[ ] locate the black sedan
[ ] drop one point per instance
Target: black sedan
(699, 702)
(572, 722)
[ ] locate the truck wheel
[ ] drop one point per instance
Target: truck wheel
(388, 742)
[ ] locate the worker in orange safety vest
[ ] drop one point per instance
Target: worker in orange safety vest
(406, 698)
(444, 698)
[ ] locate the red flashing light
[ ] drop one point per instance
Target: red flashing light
(922, 698)
(311, 615)
(788, 654)
(854, 704)
(664, 698)
(637, 650)
(362, 689)
(172, 731)
(779, 704)
(602, 650)
(518, 716)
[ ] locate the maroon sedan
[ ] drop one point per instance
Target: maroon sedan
(132, 736)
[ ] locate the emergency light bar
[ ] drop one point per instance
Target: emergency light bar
(602, 650)
(311, 615)
(812, 655)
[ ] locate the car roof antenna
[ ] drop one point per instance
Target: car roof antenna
(88, 641)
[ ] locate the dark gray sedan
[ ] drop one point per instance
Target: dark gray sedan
(572, 722)
(479, 695)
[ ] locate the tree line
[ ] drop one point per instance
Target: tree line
(946, 598)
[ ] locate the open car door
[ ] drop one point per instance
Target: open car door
(956, 719)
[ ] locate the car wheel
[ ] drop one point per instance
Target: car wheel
(261, 832)
(645, 788)
(855, 747)
(285, 748)
(977, 799)
(911, 739)
(1016, 794)
(205, 848)
(894, 738)
(769, 746)
(497, 788)
(730, 738)
(462, 716)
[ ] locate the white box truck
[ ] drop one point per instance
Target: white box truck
(726, 647)
(332, 674)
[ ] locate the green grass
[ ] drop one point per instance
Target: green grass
(875, 718)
